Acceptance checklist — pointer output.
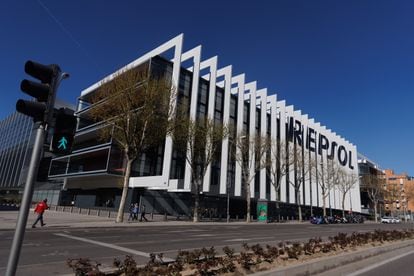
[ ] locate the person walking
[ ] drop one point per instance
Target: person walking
(143, 213)
(135, 211)
(131, 212)
(39, 210)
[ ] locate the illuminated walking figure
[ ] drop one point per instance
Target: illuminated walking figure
(63, 143)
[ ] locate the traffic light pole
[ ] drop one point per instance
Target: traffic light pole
(26, 201)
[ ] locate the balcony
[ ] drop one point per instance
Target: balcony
(103, 160)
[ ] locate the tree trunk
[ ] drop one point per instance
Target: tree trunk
(343, 205)
(299, 206)
(196, 202)
(277, 206)
(120, 215)
(248, 201)
(375, 211)
(324, 204)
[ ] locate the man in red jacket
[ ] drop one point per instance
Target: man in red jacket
(40, 209)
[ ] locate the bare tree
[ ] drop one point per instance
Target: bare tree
(137, 109)
(199, 140)
(250, 151)
(277, 165)
(327, 178)
(373, 184)
(300, 166)
(392, 196)
(345, 182)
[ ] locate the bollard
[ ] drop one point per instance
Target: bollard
(63, 210)
(56, 207)
(71, 209)
(237, 217)
(109, 214)
(152, 215)
(165, 216)
(80, 210)
(89, 211)
(99, 212)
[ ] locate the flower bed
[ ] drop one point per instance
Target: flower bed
(252, 258)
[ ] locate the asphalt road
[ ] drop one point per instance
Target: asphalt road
(398, 265)
(45, 250)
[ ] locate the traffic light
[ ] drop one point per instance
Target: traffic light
(64, 131)
(40, 110)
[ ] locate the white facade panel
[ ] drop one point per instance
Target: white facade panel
(272, 105)
(211, 64)
(291, 199)
(239, 81)
(307, 176)
(262, 104)
(281, 106)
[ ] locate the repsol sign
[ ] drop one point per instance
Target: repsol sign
(317, 142)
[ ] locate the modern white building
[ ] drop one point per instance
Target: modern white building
(163, 179)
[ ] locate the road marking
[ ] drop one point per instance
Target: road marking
(203, 235)
(112, 246)
(371, 267)
(238, 240)
(187, 230)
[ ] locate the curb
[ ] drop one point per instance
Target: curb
(323, 264)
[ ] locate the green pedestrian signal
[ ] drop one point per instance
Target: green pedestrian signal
(63, 143)
(64, 132)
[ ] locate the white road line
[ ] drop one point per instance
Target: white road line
(112, 246)
(371, 267)
(186, 230)
(235, 240)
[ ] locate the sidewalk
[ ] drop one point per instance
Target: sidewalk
(55, 219)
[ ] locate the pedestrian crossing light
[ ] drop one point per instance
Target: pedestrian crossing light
(41, 110)
(64, 131)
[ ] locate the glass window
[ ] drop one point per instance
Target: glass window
(89, 161)
(58, 166)
(233, 107)
(219, 100)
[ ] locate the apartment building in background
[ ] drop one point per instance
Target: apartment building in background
(400, 191)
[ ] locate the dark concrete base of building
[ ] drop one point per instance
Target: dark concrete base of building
(180, 204)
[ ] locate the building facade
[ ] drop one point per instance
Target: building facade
(370, 172)
(400, 191)
(16, 145)
(162, 178)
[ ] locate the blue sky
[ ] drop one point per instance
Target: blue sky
(348, 64)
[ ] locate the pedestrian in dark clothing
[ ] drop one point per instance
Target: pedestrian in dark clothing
(131, 212)
(143, 213)
(135, 211)
(39, 210)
